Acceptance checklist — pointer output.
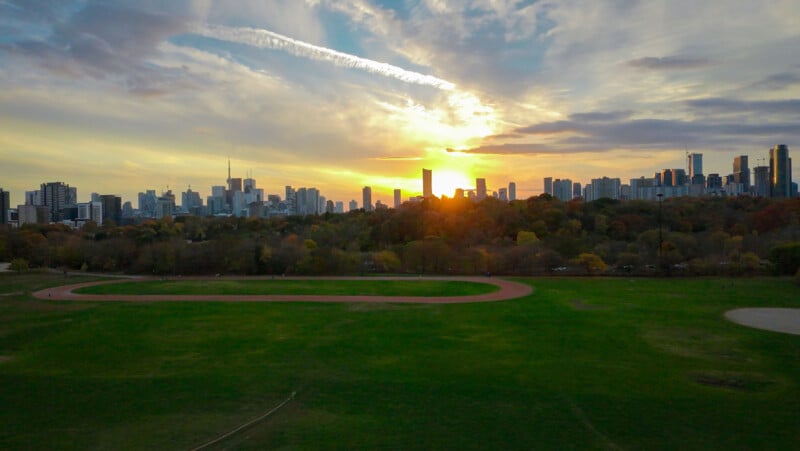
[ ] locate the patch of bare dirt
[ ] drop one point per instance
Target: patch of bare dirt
(4, 358)
(733, 381)
(577, 304)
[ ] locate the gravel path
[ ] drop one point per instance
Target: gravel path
(786, 320)
(508, 290)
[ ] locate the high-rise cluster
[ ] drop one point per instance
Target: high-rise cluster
(478, 193)
(774, 180)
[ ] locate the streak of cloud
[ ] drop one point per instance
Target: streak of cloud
(270, 40)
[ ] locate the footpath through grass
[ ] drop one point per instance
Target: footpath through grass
(367, 287)
(580, 364)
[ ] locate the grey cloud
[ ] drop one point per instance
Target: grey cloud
(601, 116)
(778, 81)
(107, 41)
(506, 136)
(588, 136)
(549, 128)
(669, 63)
(723, 105)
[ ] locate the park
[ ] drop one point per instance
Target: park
(571, 362)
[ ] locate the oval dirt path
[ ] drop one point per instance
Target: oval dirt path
(508, 290)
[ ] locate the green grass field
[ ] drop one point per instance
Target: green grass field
(579, 364)
(367, 287)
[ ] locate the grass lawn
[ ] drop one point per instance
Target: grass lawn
(367, 287)
(579, 364)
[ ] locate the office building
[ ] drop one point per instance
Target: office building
(512, 191)
(562, 189)
(713, 183)
(54, 197)
(5, 205)
(366, 198)
(352, 205)
(761, 185)
(741, 172)
(502, 194)
(548, 185)
(33, 197)
(112, 208)
(679, 177)
(190, 201)
(339, 207)
(780, 171)
(147, 203)
(397, 198)
(666, 177)
(480, 187)
(32, 214)
(605, 188)
(427, 183)
(695, 164)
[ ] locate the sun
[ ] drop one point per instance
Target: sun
(446, 181)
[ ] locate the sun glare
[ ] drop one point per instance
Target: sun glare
(445, 182)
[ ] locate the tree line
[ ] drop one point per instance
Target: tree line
(540, 235)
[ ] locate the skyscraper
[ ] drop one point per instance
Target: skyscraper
(480, 186)
(5, 205)
(780, 173)
(502, 194)
(605, 188)
(397, 199)
(678, 177)
(666, 177)
(300, 202)
(694, 164)
(112, 208)
(366, 198)
(548, 185)
(289, 196)
(512, 191)
(741, 172)
(54, 196)
(761, 183)
(562, 189)
(312, 201)
(427, 183)
(576, 190)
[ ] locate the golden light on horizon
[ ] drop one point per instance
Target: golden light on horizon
(446, 181)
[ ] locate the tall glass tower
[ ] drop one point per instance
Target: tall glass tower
(780, 173)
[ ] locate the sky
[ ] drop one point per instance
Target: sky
(121, 96)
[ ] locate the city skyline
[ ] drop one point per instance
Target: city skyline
(741, 174)
(123, 96)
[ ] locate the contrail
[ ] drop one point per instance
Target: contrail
(270, 40)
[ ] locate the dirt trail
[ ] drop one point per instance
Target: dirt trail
(508, 290)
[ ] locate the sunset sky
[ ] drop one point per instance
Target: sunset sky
(118, 97)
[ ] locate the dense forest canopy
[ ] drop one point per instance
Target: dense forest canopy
(733, 235)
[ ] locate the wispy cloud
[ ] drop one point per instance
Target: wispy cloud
(669, 63)
(270, 40)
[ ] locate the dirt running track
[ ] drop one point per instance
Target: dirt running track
(508, 290)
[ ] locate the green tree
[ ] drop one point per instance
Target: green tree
(525, 237)
(19, 265)
(592, 263)
(786, 258)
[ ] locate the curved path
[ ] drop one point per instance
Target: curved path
(785, 320)
(508, 290)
